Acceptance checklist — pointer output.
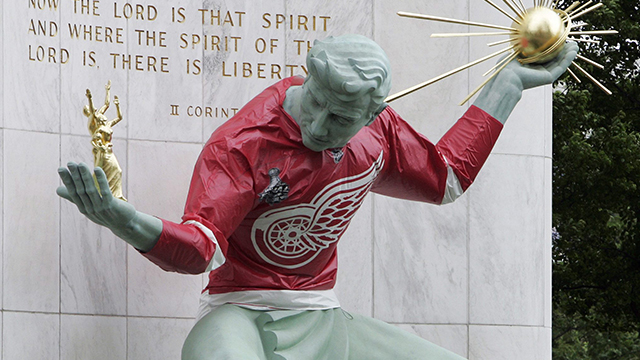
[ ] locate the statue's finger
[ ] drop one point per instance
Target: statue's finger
(90, 186)
(562, 66)
(64, 193)
(70, 188)
(80, 187)
(103, 183)
(559, 65)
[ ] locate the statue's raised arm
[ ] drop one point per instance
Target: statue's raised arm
(118, 118)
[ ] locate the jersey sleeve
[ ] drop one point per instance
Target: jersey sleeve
(419, 170)
(220, 196)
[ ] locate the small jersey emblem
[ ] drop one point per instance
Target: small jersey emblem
(277, 191)
(337, 155)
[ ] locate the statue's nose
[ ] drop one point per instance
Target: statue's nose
(319, 125)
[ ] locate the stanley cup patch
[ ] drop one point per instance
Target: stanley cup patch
(277, 191)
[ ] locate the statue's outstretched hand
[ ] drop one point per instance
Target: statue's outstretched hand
(502, 93)
(137, 228)
(533, 75)
(98, 206)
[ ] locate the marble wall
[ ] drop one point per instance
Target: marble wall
(473, 276)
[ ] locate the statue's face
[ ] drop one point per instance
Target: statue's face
(328, 122)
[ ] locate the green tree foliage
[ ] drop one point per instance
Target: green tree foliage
(596, 196)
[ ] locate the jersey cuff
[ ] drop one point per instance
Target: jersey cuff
(453, 189)
(218, 257)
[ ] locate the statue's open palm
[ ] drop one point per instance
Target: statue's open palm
(533, 75)
(98, 205)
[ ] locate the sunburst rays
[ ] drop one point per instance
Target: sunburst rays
(536, 35)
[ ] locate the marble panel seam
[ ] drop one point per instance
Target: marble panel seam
(128, 180)
(468, 254)
(2, 91)
(60, 82)
(468, 210)
(203, 136)
(373, 257)
(164, 141)
(520, 155)
(31, 131)
(98, 315)
(126, 252)
(59, 234)
(59, 202)
(510, 325)
(59, 330)
(427, 324)
(2, 250)
(373, 20)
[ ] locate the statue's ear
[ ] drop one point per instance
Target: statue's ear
(378, 111)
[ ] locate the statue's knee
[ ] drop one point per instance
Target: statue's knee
(227, 333)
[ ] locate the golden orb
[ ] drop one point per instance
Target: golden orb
(536, 36)
(541, 35)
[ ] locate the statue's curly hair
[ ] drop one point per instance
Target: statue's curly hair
(351, 65)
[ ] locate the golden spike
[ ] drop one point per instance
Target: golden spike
(572, 6)
(516, 11)
(574, 76)
(454, 21)
(593, 80)
(590, 62)
(521, 6)
(578, 24)
(471, 34)
(508, 58)
(511, 57)
(501, 42)
(594, 32)
(573, 17)
(554, 5)
(504, 12)
(581, 7)
(584, 40)
(445, 75)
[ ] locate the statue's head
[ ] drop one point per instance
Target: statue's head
(351, 66)
(349, 78)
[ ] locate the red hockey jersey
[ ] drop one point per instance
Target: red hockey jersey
(265, 213)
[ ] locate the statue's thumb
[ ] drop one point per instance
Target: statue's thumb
(63, 193)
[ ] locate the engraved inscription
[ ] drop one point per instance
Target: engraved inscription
(129, 36)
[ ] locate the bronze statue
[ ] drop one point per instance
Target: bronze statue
(275, 188)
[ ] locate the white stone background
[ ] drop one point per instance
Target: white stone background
(473, 276)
